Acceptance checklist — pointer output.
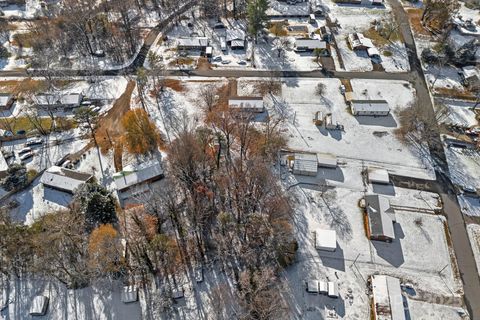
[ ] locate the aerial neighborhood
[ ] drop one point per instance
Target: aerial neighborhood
(240, 159)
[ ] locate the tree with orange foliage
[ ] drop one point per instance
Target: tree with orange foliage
(104, 251)
(141, 136)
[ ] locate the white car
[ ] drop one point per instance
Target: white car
(217, 59)
(34, 142)
(226, 61)
(25, 150)
(26, 156)
(96, 109)
(242, 62)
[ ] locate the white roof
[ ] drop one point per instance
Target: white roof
(4, 99)
(48, 99)
(312, 286)
(235, 34)
(373, 52)
(387, 298)
(326, 159)
(132, 176)
(311, 44)
(358, 39)
(3, 163)
(370, 105)
(305, 162)
(193, 42)
(378, 175)
(64, 179)
(247, 103)
(237, 43)
(325, 239)
(209, 50)
(470, 71)
(39, 306)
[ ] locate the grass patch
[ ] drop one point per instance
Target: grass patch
(24, 40)
(455, 93)
(415, 15)
(379, 40)
(174, 84)
(24, 123)
(387, 53)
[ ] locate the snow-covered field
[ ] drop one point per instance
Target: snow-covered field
(464, 165)
(474, 235)
(99, 302)
(368, 139)
(459, 113)
(356, 258)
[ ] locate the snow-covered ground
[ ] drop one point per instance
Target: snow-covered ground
(356, 258)
(368, 139)
(469, 205)
(100, 302)
(474, 235)
(422, 311)
(31, 10)
(459, 113)
(464, 165)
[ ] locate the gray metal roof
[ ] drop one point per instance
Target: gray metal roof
(306, 162)
(370, 105)
(235, 34)
(193, 42)
(136, 175)
(49, 99)
(380, 216)
(64, 179)
(246, 103)
(311, 44)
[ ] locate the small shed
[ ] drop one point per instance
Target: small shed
(6, 101)
(369, 108)
(311, 18)
(323, 287)
(378, 175)
(177, 293)
(312, 286)
(246, 104)
(332, 289)
(327, 160)
(208, 52)
(358, 41)
(235, 38)
(305, 164)
(39, 306)
(129, 294)
(326, 240)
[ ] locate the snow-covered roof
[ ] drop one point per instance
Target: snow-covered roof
(131, 176)
(193, 42)
(64, 179)
(326, 239)
(238, 43)
(326, 160)
(235, 34)
(380, 216)
(39, 306)
(253, 104)
(470, 72)
(358, 40)
(373, 52)
(305, 162)
(378, 175)
(311, 44)
(387, 298)
(370, 105)
(49, 99)
(5, 99)
(312, 286)
(3, 163)
(129, 294)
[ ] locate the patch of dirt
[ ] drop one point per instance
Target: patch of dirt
(347, 84)
(203, 64)
(174, 84)
(415, 16)
(109, 129)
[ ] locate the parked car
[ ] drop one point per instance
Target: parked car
(473, 131)
(21, 132)
(8, 134)
(217, 59)
(242, 62)
(226, 61)
(26, 156)
(25, 150)
(342, 89)
(34, 142)
(96, 109)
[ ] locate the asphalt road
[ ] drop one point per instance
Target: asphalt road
(456, 222)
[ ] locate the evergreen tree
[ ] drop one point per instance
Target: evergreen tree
(256, 16)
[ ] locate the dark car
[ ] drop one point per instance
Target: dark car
(21, 132)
